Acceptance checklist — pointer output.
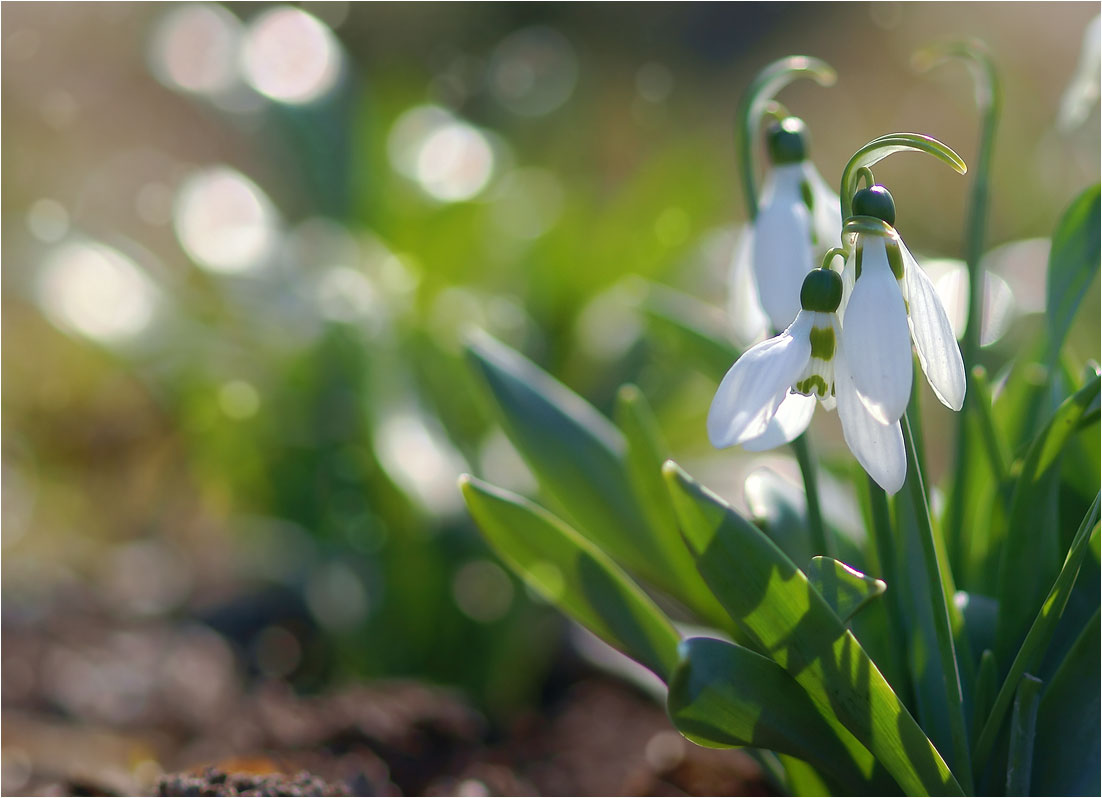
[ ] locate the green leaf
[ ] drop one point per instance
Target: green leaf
(723, 695)
(1040, 633)
(572, 573)
(980, 614)
(1066, 758)
(845, 589)
(698, 330)
(778, 510)
(1030, 556)
(987, 682)
(646, 451)
(772, 601)
(1072, 264)
(1023, 733)
(581, 460)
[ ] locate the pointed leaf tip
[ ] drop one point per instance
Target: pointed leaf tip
(845, 589)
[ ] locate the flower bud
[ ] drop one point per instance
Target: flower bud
(787, 140)
(821, 291)
(875, 201)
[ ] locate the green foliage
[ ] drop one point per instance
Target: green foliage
(571, 572)
(584, 462)
(846, 590)
(1072, 265)
(773, 601)
(724, 695)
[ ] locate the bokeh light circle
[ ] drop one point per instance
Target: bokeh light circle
(224, 221)
(290, 57)
(94, 290)
(194, 48)
(533, 71)
(449, 159)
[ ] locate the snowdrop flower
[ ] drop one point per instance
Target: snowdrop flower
(1082, 93)
(768, 396)
(889, 302)
(798, 219)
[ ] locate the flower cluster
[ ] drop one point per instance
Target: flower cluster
(847, 336)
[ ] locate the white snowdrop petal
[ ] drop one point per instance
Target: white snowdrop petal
(938, 353)
(747, 318)
(792, 417)
(876, 337)
(782, 253)
(878, 447)
(755, 385)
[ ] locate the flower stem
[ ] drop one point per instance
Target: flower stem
(755, 104)
(946, 650)
(821, 540)
(889, 572)
(989, 99)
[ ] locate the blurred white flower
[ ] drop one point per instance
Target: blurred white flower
(1082, 93)
(798, 219)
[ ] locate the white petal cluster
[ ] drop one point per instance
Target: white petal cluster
(856, 359)
(798, 220)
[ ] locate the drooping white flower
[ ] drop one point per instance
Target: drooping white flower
(798, 219)
(768, 396)
(1083, 91)
(889, 302)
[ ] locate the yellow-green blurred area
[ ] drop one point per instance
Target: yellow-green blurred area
(242, 244)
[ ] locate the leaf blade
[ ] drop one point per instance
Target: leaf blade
(774, 603)
(723, 695)
(570, 571)
(1072, 264)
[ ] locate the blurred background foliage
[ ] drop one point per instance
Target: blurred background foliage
(242, 244)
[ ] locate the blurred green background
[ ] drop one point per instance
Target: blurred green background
(242, 244)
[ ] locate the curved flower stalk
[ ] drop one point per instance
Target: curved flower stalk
(797, 220)
(768, 396)
(795, 217)
(890, 302)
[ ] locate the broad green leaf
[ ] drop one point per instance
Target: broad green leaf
(572, 573)
(723, 695)
(646, 451)
(580, 459)
(771, 599)
(1066, 758)
(845, 589)
(1030, 557)
(1040, 633)
(1072, 264)
(1023, 733)
(802, 779)
(699, 330)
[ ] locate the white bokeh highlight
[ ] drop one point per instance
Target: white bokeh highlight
(290, 56)
(224, 221)
(95, 291)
